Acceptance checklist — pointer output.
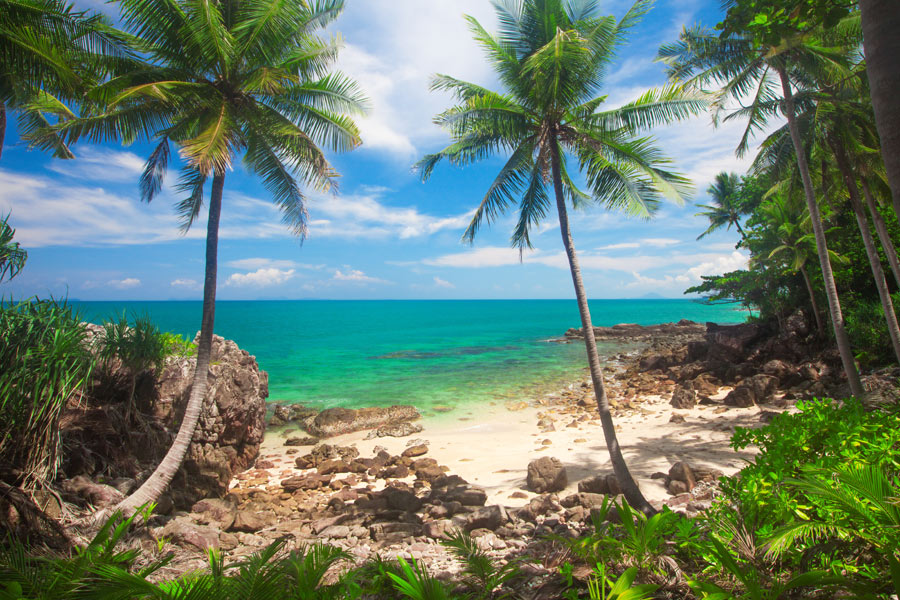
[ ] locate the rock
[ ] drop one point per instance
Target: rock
(183, 532)
(99, 495)
(404, 500)
(335, 532)
(396, 430)
(417, 450)
(336, 421)
(546, 474)
(332, 466)
(305, 482)
(394, 532)
(249, 521)
(731, 343)
(326, 452)
(439, 528)
(301, 441)
(594, 485)
(586, 500)
(486, 517)
(676, 487)
(676, 418)
(215, 512)
(232, 419)
(683, 397)
(682, 471)
(758, 389)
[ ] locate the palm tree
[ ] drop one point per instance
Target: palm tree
(792, 229)
(725, 209)
(551, 57)
(222, 79)
(880, 23)
(12, 255)
(51, 54)
(744, 66)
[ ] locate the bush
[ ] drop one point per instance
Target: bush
(44, 362)
(868, 331)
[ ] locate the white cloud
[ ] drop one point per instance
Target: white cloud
(660, 242)
(365, 216)
(125, 284)
(438, 282)
(355, 276)
(719, 265)
(101, 164)
(622, 246)
(252, 264)
(185, 283)
(261, 277)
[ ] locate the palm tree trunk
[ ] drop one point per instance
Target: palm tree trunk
(2, 126)
(629, 486)
(737, 225)
(880, 24)
(834, 303)
(812, 300)
(881, 228)
(871, 251)
(154, 487)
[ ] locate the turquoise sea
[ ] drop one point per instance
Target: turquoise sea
(426, 353)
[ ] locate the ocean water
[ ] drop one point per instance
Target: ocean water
(426, 353)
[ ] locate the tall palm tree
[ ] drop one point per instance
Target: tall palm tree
(551, 57)
(742, 66)
(880, 23)
(791, 225)
(51, 54)
(725, 209)
(225, 79)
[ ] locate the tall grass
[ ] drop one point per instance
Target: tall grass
(44, 361)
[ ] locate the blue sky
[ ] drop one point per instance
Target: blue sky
(385, 234)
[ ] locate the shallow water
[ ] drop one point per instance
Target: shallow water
(426, 353)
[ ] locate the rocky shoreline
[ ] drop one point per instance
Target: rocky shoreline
(371, 488)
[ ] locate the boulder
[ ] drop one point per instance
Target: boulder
(398, 499)
(395, 430)
(336, 421)
(249, 521)
(683, 397)
(417, 450)
(486, 517)
(546, 474)
(232, 419)
(757, 389)
(731, 343)
(98, 495)
(594, 485)
(216, 512)
(184, 532)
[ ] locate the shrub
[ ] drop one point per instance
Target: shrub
(44, 362)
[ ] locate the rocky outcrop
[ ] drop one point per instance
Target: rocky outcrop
(337, 421)
(232, 421)
(634, 331)
(100, 446)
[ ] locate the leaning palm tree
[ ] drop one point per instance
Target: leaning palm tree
(225, 79)
(725, 209)
(746, 67)
(551, 56)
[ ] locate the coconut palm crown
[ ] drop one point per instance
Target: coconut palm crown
(226, 79)
(551, 57)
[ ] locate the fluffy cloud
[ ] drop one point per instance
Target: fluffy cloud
(252, 264)
(261, 277)
(185, 283)
(660, 242)
(125, 284)
(355, 276)
(441, 283)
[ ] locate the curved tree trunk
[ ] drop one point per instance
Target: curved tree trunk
(812, 300)
(834, 304)
(881, 42)
(153, 488)
(2, 126)
(883, 235)
(871, 251)
(629, 486)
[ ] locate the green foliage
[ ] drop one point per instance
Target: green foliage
(868, 335)
(44, 363)
(601, 587)
(178, 345)
(770, 22)
(138, 345)
(480, 573)
(12, 255)
(823, 434)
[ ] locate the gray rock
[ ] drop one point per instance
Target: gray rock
(337, 421)
(546, 474)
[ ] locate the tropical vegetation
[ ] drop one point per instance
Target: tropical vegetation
(551, 57)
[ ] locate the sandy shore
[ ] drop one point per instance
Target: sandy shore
(491, 446)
